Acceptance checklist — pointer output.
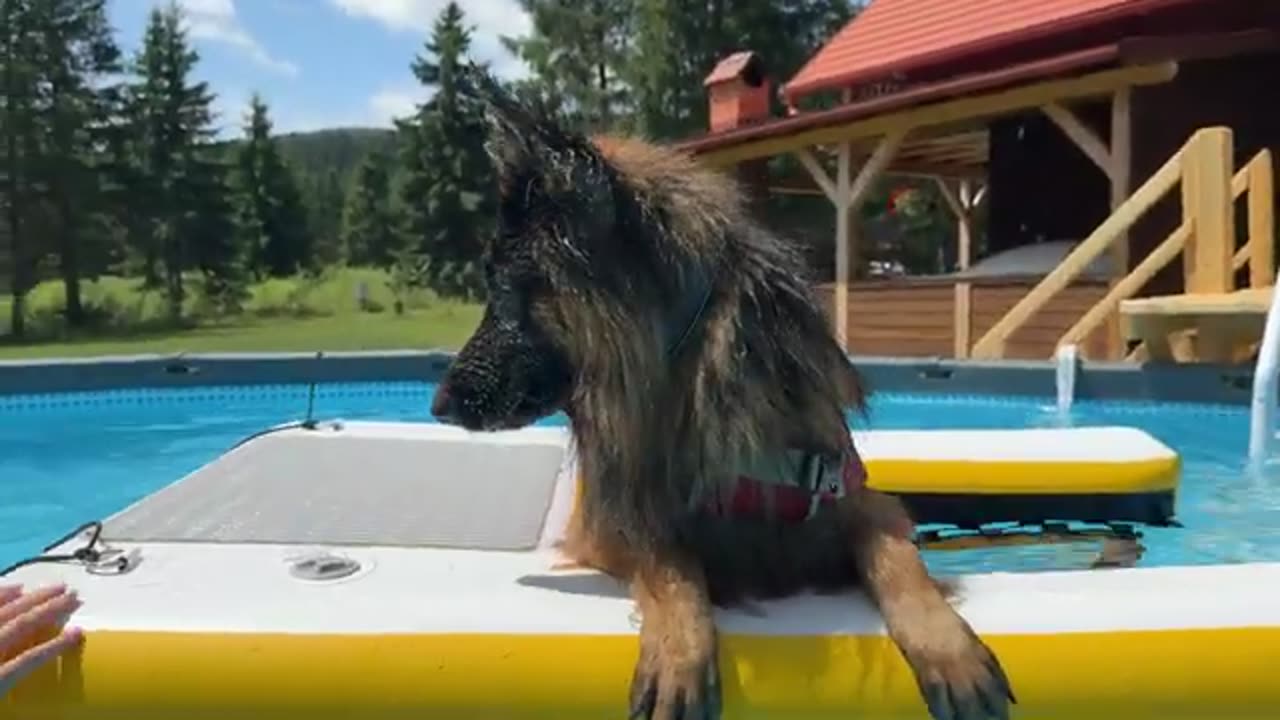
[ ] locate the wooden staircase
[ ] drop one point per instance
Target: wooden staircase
(1214, 320)
(1206, 327)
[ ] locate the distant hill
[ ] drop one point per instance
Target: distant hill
(314, 153)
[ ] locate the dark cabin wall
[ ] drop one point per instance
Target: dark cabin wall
(1041, 186)
(1239, 92)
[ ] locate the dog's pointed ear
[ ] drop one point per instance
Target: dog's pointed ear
(513, 135)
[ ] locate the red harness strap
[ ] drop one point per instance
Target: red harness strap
(792, 502)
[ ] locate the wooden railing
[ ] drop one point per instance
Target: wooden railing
(1205, 237)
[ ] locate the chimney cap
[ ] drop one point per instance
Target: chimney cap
(744, 65)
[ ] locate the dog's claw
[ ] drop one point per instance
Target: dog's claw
(969, 686)
(663, 693)
(642, 702)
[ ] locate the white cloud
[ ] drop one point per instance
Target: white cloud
(216, 20)
(395, 102)
(489, 18)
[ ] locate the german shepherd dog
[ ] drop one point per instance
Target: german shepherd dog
(629, 288)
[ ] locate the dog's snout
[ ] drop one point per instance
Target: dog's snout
(443, 406)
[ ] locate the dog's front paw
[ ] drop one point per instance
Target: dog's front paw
(675, 680)
(960, 678)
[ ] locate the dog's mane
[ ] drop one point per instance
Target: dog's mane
(759, 373)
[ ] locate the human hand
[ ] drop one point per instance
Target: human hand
(22, 615)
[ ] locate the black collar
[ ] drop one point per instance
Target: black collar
(697, 297)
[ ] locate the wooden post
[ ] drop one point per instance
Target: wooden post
(1119, 169)
(850, 193)
(962, 205)
(1120, 165)
(1262, 221)
(842, 246)
(1208, 203)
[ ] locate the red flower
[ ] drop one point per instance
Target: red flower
(896, 195)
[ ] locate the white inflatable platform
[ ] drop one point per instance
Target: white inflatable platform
(386, 570)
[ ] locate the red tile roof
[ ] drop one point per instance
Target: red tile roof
(891, 36)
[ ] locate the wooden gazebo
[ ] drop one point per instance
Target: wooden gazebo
(1052, 112)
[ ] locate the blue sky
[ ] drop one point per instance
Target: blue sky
(320, 63)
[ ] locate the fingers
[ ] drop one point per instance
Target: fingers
(9, 593)
(18, 603)
(13, 671)
(22, 618)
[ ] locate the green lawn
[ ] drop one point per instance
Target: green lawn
(289, 315)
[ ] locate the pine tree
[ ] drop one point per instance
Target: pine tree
(368, 231)
(579, 51)
(214, 240)
(325, 198)
(127, 208)
(271, 217)
(77, 52)
(19, 150)
(446, 192)
(174, 128)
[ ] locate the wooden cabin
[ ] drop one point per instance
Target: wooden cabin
(1062, 120)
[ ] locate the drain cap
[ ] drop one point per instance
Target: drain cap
(323, 566)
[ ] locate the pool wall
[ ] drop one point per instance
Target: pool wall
(1212, 384)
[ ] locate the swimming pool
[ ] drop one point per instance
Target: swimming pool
(71, 457)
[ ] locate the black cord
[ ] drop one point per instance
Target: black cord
(310, 422)
(87, 554)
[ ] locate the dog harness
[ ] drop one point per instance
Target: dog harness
(792, 486)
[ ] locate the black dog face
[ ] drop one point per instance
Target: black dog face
(508, 374)
(554, 200)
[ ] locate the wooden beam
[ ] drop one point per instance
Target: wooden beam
(819, 175)
(1108, 306)
(979, 196)
(950, 198)
(801, 182)
(1081, 135)
(1120, 171)
(842, 247)
(963, 320)
(1262, 220)
(962, 205)
(857, 195)
(993, 104)
(925, 172)
(1120, 162)
(965, 235)
(1208, 204)
(872, 169)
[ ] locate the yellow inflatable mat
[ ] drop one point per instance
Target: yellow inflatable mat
(971, 478)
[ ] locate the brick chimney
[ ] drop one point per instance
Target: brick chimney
(738, 92)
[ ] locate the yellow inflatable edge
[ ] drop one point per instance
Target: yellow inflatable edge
(1218, 674)
(988, 477)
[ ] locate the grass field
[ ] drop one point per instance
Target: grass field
(283, 315)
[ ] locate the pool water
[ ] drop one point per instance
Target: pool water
(66, 459)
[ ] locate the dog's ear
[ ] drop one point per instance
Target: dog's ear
(515, 137)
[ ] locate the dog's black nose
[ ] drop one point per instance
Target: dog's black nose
(443, 407)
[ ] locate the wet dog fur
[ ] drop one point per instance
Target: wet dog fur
(629, 288)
